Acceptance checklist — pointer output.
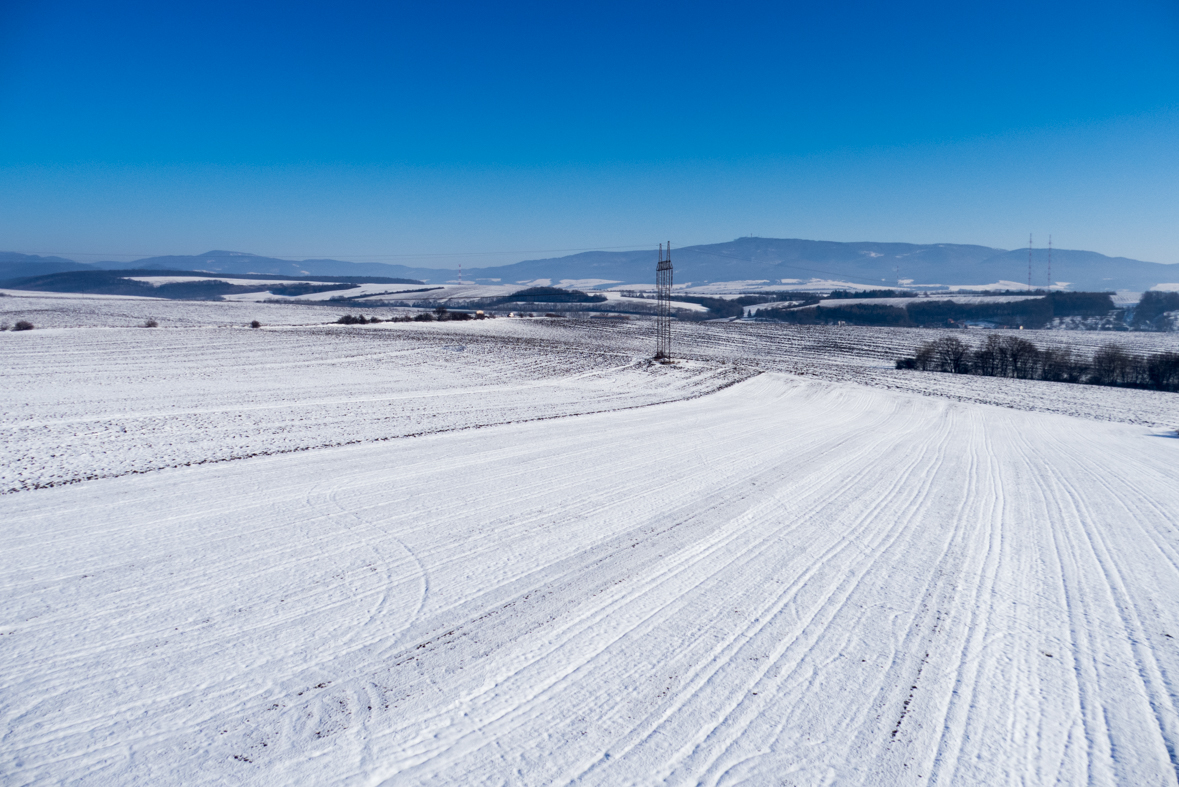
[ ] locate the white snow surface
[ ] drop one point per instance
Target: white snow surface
(359, 291)
(1002, 284)
(453, 291)
(618, 299)
(157, 281)
(4, 293)
(973, 300)
(516, 552)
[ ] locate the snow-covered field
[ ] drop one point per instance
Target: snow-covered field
(973, 300)
(515, 552)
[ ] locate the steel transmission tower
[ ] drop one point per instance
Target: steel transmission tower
(663, 303)
(1049, 263)
(1029, 263)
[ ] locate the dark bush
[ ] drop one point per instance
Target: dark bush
(151, 324)
(253, 324)
(348, 319)
(424, 317)
(22, 325)
(1162, 371)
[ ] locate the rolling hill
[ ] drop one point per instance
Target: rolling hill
(772, 260)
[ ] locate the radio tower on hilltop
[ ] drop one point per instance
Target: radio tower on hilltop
(1029, 262)
(663, 304)
(1049, 263)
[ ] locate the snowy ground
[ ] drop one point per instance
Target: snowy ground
(973, 300)
(618, 299)
(514, 552)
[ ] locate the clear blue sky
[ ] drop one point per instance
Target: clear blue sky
(430, 133)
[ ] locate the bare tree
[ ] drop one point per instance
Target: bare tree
(1023, 357)
(991, 359)
(1112, 365)
(952, 354)
(926, 357)
(1061, 365)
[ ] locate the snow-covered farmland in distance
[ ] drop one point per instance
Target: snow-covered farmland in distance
(514, 551)
(902, 302)
(157, 281)
(618, 299)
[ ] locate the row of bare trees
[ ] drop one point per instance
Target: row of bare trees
(1013, 356)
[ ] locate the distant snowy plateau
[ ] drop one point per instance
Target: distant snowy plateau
(516, 551)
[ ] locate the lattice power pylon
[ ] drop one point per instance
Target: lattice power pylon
(663, 303)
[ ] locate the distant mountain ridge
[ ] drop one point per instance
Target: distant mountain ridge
(744, 259)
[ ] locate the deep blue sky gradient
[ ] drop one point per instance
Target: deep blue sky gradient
(433, 133)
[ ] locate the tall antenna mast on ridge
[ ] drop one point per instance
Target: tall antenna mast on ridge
(663, 304)
(1029, 261)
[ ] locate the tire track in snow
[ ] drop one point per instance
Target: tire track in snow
(823, 449)
(824, 608)
(1097, 548)
(743, 621)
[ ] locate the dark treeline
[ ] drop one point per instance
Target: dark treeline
(1013, 356)
(440, 314)
(291, 290)
(1148, 315)
(547, 295)
(847, 294)
(930, 313)
(730, 307)
(210, 288)
(735, 307)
